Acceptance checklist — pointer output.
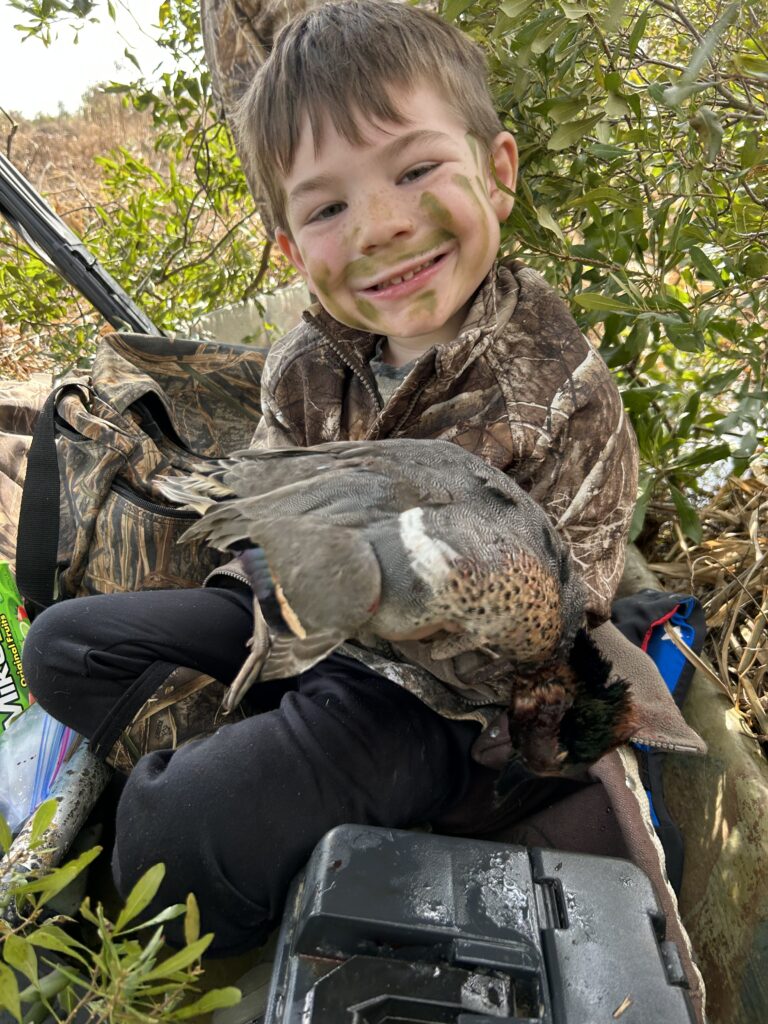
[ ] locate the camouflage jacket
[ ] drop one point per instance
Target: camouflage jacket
(521, 388)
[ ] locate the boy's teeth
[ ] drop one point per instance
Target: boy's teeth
(404, 277)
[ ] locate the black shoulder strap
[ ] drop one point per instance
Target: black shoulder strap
(37, 539)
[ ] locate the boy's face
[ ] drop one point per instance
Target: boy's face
(395, 235)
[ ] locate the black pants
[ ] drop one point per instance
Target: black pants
(234, 815)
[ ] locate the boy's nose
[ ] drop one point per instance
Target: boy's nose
(381, 223)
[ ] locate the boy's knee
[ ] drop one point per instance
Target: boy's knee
(45, 656)
(161, 820)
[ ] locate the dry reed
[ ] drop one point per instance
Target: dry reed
(728, 572)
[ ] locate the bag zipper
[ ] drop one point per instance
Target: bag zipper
(170, 511)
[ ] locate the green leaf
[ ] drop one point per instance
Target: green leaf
(688, 418)
(616, 105)
(545, 218)
(87, 913)
(690, 523)
(59, 878)
(710, 132)
(705, 266)
(514, 8)
(751, 65)
(192, 921)
(702, 457)
(50, 936)
(602, 194)
(706, 47)
(637, 33)
(676, 94)
(453, 8)
(569, 134)
(574, 11)
(132, 58)
(641, 507)
(563, 110)
(44, 815)
(632, 347)
(168, 914)
(6, 836)
(180, 960)
(9, 992)
(601, 303)
(141, 895)
(639, 399)
(216, 999)
(542, 41)
(613, 15)
(756, 265)
(18, 953)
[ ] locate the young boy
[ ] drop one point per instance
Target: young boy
(388, 174)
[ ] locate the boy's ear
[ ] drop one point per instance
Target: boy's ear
(289, 249)
(503, 174)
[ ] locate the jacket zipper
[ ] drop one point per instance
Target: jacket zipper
(224, 570)
(409, 410)
(170, 511)
(679, 748)
(366, 384)
(374, 394)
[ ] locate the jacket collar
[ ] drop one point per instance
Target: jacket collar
(491, 309)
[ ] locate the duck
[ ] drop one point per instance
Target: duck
(400, 539)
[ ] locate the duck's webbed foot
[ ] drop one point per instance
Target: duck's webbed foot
(260, 645)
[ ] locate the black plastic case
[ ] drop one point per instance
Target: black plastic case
(393, 927)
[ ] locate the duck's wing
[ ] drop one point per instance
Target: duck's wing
(328, 576)
(416, 471)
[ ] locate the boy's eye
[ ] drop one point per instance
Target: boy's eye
(325, 212)
(417, 172)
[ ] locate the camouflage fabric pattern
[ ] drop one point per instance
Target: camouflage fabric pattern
(186, 706)
(20, 404)
(521, 388)
(151, 406)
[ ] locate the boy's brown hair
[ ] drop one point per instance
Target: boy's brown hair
(340, 60)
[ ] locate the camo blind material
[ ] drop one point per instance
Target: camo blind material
(152, 406)
(20, 404)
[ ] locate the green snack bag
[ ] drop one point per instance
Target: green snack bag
(14, 626)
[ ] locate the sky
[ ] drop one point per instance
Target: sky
(37, 79)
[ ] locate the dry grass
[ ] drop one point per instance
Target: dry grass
(57, 155)
(728, 572)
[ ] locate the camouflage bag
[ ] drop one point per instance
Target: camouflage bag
(92, 520)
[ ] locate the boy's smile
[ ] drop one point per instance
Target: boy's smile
(396, 234)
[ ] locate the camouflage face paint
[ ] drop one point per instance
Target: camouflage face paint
(478, 151)
(466, 186)
(439, 214)
(320, 276)
(426, 299)
(367, 309)
(367, 267)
